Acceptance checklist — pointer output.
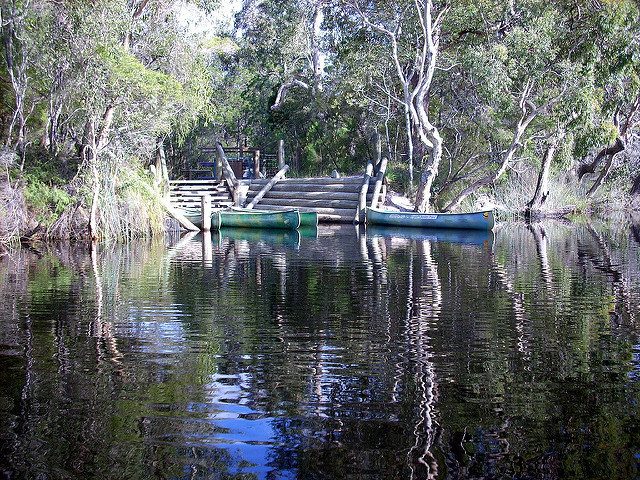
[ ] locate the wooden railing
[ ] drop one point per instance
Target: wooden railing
(281, 173)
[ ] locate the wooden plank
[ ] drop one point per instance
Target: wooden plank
(268, 186)
(188, 188)
(281, 153)
(194, 182)
(281, 187)
(229, 176)
(210, 191)
(304, 202)
(315, 180)
(197, 204)
(197, 199)
(205, 208)
(331, 211)
(178, 216)
(180, 195)
(315, 195)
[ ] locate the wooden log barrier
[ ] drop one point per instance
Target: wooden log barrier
(268, 186)
(228, 174)
(362, 199)
(378, 186)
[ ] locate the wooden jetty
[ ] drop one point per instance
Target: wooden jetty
(335, 200)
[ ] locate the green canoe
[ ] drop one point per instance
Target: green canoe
(474, 220)
(193, 215)
(255, 219)
(307, 219)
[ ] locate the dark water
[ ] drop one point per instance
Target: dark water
(342, 356)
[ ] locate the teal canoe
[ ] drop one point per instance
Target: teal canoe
(474, 220)
(307, 219)
(255, 219)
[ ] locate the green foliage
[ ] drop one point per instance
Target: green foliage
(126, 72)
(46, 200)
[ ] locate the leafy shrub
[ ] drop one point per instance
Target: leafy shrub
(45, 200)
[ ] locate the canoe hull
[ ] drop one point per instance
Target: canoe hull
(193, 216)
(307, 219)
(473, 221)
(289, 220)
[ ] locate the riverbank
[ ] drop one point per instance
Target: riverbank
(37, 208)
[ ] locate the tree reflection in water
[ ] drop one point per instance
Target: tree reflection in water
(356, 354)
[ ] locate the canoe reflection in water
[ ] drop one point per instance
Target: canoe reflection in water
(286, 238)
(481, 238)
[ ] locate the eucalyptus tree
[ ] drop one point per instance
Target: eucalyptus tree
(15, 17)
(412, 35)
(107, 79)
(292, 86)
(614, 59)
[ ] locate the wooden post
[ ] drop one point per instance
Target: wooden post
(219, 169)
(256, 164)
(229, 176)
(280, 154)
(378, 152)
(378, 186)
(206, 212)
(362, 199)
(268, 186)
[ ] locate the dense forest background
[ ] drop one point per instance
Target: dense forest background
(529, 105)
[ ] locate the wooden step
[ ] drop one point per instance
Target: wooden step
(311, 203)
(314, 181)
(282, 187)
(198, 188)
(198, 201)
(331, 211)
(349, 196)
(199, 196)
(218, 205)
(194, 182)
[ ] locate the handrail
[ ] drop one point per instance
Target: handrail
(378, 186)
(268, 186)
(362, 199)
(227, 172)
